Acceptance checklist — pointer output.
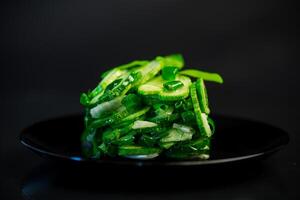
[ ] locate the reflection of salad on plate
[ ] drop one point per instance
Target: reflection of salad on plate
(145, 109)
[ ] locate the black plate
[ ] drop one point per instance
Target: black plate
(235, 140)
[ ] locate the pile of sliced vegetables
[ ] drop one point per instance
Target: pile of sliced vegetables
(145, 109)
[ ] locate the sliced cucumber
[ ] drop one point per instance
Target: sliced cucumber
(180, 93)
(201, 118)
(202, 94)
(156, 87)
(143, 109)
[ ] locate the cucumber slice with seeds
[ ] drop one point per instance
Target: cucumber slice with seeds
(156, 87)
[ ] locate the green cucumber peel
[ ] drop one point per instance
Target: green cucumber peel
(201, 118)
(194, 73)
(169, 73)
(156, 87)
(202, 96)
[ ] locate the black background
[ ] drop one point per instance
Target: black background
(53, 50)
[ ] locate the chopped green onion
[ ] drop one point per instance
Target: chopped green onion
(173, 85)
(164, 119)
(169, 73)
(84, 99)
(132, 102)
(126, 140)
(147, 140)
(188, 116)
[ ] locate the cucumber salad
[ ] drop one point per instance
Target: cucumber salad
(147, 109)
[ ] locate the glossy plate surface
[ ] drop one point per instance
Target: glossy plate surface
(235, 140)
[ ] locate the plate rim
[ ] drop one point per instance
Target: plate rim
(129, 162)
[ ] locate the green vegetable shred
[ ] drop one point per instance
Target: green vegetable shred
(169, 73)
(147, 109)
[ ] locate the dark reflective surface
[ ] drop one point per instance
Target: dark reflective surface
(235, 139)
(59, 181)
